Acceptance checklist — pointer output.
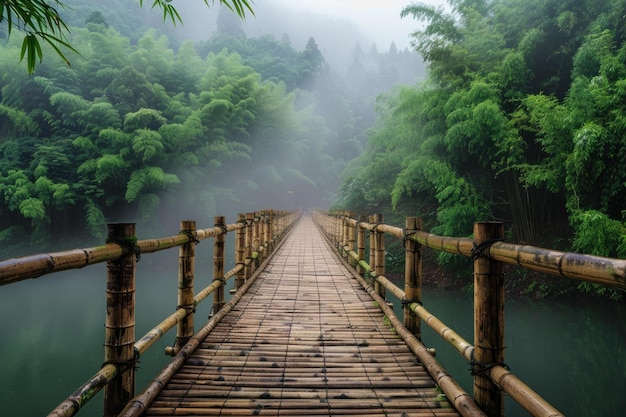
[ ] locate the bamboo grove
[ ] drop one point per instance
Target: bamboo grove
(145, 123)
(521, 120)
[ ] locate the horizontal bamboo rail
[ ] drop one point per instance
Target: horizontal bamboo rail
(274, 225)
(583, 267)
(35, 266)
(341, 226)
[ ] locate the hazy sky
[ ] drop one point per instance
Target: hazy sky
(378, 19)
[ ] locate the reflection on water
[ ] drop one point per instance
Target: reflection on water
(52, 332)
(571, 352)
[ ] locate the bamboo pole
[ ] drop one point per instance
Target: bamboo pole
(264, 233)
(240, 251)
(524, 395)
(351, 228)
(278, 221)
(256, 239)
(186, 266)
(373, 242)
(269, 232)
(488, 319)
(360, 243)
(120, 319)
(412, 275)
(218, 265)
(249, 244)
(345, 236)
(380, 255)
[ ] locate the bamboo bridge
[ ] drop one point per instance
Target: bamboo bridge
(308, 329)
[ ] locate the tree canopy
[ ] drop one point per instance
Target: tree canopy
(42, 20)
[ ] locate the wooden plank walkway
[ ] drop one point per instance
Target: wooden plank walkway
(305, 340)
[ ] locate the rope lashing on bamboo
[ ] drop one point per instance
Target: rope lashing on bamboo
(190, 308)
(482, 368)
(223, 227)
(125, 365)
(406, 302)
(129, 246)
(481, 249)
(222, 280)
(190, 235)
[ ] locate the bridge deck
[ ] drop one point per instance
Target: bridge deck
(305, 340)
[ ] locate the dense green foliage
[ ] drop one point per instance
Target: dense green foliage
(522, 120)
(43, 20)
(143, 129)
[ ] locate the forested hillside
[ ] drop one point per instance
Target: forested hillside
(148, 129)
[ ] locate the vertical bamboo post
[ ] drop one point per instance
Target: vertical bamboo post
(345, 235)
(264, 233)
(218, 263)
(380, 256)
(256, 239)
(360, 243)
(373, 241)
(412, 274)
(338, 230)
(270, 230)
(329, 225)
(276, 233)
(120, 319)
(240, 251)
(249, 244)
(186, 266)
(351, 236)
(488, 318)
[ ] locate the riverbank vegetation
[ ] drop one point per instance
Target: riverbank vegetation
(522, 120)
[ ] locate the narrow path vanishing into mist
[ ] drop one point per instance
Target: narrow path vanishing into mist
(306, 339)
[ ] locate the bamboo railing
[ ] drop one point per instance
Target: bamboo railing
(488, 250)
(257, 235)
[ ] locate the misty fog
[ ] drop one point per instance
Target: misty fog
(156, 122)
